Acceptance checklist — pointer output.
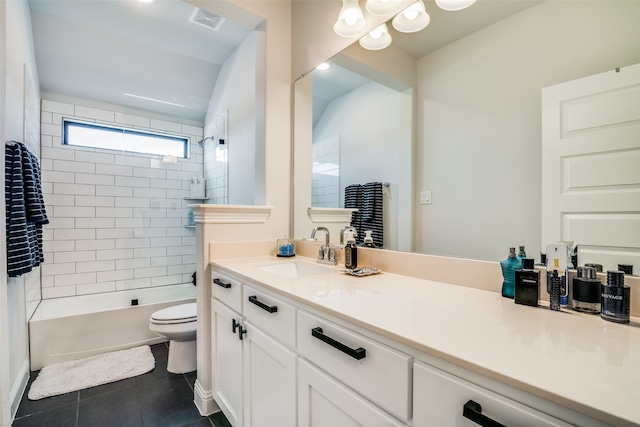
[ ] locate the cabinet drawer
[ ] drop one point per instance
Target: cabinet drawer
(374, 370)
(227, 290)
(272, 315)
(439, 400)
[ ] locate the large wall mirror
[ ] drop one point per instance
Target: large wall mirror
(467, 130)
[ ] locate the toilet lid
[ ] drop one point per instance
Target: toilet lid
(178, 313)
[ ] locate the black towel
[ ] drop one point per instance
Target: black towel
(372, 216)
(24, 208)
(353, 200)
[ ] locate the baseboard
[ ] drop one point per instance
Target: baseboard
(203, 400)
(19, 387)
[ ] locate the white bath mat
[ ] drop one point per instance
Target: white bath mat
(74, 375)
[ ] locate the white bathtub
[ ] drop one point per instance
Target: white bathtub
(70, 328)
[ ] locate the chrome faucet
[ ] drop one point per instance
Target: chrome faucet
(326, 254)
(349, 228)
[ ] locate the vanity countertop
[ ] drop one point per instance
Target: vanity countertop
(576, 360)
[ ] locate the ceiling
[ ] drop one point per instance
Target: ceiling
(141, 56)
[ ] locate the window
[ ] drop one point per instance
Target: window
(93, 135)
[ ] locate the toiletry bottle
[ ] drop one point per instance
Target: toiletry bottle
(557, 255)
(368, 240)
(350, 251)
(509, 266)
(586, 291)
(616, 298)
(521, 253)
(527, 287)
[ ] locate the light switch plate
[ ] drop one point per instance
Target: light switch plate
(425, 197)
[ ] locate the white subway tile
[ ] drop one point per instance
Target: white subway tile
(74, 234)
(117, 170)
(181, 250)
(46, 165)
(155, 193)
(180, 176)
(46, 117)
(84, 178)
(166, 280)
(92, 157)
(151, 212)
(58, 291)
(95, 245)
(114, 212)
(94, 201)
(94, 223)
(166, 222)
(59, 200)
(132, 222)
(77, 189)
(46, 141)
(94, 113)
(189, 259)
(159, 164)
(74, 166)
(75, 256)
(160, 261)
(152, 232)
(169, 184)
(132, 243)
(128, 160)
(94, 266)
(131, 120)
(57, 107)
(74, 212)
(60, 268)
(122, 181)
(180, 269)
(139, 273)
(115, 233)
(114, 191)
(50, 129)
(74, 279)
(124, 264)
(114, 254)
(180, 231)
(196, 131)
(164, 241)
(149, 252)
(95, 288)
(57, 153)
(123, 285)
(55, 222)
(131, 202)
(106, 276)
(189, 241)
(46, 282)
(166, 125)
(150, 173)
(58, 246)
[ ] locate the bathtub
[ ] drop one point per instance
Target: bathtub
(70, 328)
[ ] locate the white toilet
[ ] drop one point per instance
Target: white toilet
(178, 325)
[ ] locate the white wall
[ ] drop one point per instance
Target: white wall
(18, 54)
(367, 120)
(235, 94)
(479, 106)
(116, 218)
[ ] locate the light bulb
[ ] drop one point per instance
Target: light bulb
(376, 34)
(412, 12)
(350, 18)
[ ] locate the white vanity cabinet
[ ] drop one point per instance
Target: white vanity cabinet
(254, 374)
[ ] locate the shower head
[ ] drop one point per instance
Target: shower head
(202, 141)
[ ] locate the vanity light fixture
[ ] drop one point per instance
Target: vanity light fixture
(383, 7)
(412, 19)
(377, 39)
(453, 5)
(324, 66)
(350, 20)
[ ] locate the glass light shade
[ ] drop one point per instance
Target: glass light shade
(453, 5)
(412, 19)
(383, 7)
(377, 39)
(350, 20)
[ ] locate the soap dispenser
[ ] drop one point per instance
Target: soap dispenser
(350, 251)
(368, 240)
(509, 267)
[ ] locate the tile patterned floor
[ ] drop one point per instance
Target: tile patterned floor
(155, 399)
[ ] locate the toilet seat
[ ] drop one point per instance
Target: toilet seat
(177, 314)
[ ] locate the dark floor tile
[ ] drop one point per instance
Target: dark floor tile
(61, 416)
(166, 401)
(202, 422)
(191, 378)
(34, 406)
(107, 388)
(219, 420)
(118, 408)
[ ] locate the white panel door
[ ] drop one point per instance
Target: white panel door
(591, 166)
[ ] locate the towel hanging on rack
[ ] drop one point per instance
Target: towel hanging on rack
(24, 208)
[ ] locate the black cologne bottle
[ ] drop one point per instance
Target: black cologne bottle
(616, 298)
(586, 291)
(527, 287)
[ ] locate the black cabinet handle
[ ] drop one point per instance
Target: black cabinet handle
(234, 325)
(221, 283)
(473, 411)
(356, 353)
(241, 331)
(270, 308)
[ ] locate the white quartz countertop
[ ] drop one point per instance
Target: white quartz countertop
(576, 360)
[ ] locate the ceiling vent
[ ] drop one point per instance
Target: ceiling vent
(206, 19)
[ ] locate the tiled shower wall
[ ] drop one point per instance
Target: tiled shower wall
(325, 173)
(117, 219)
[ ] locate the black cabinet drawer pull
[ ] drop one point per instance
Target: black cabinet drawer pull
(356, 353)
(234, 325)
(473, 411)
(270, 308)
(221, 283)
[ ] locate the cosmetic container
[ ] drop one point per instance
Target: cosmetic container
(626, 268)
(350, 251)
(521, 253)
(598, 267)
(586, 291)
(509, 266)
(285, 248)
(616, 298)
(527, 286)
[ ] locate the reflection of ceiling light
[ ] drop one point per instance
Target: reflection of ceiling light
(454, 5)
(324, 66)
(154, 100)
(350, 19)
(383, 7)
(377, 39)
(412, 19)
(147, 1)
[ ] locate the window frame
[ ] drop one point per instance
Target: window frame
(66, 122)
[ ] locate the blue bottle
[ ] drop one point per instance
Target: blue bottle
(509, 267)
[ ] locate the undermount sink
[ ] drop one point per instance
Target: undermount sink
(295, 269)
